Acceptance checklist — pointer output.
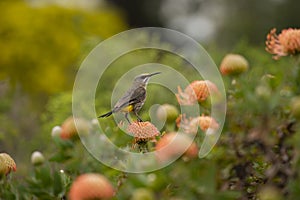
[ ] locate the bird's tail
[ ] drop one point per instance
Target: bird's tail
(106, 114)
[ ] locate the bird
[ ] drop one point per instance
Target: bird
(134, 98)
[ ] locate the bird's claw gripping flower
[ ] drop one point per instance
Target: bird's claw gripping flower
(7, 164)
(286, 43)
(197, 91)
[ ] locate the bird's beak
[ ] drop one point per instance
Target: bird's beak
(152, 74)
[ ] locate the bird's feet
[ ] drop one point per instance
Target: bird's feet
(126, 116)
(139, 120)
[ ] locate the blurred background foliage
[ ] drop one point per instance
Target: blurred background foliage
(42, 48)
(44, 42)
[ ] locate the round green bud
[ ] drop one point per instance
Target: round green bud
(167, 112)
(142, 193)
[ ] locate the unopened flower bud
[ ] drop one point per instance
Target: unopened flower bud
(37, 158)
(233, 64)
(56, 131)
(72, 131)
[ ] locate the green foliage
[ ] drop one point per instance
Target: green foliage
(257, 148)
(61, 102)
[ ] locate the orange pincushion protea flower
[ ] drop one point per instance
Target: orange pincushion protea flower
(190, 125)
(199, 88)
(173, 145)
(206, 122)
(143, 130)
(7, 164)
(196, 91)
(91, 186)
(286, 43)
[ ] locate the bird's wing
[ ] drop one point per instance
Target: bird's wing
(130, 97)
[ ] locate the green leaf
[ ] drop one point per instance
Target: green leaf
(43, 174)
(57, 183)
(60, 157)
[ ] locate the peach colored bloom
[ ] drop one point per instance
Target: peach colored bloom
(206, 122)
(190, 125)
(142, 130)
(91, 186)
(173, 145)
(7, 164)
(286, 43)
(196, 91)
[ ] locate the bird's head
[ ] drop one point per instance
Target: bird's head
(144, 78)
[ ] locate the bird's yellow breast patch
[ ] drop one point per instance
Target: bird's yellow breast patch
(128, 108)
